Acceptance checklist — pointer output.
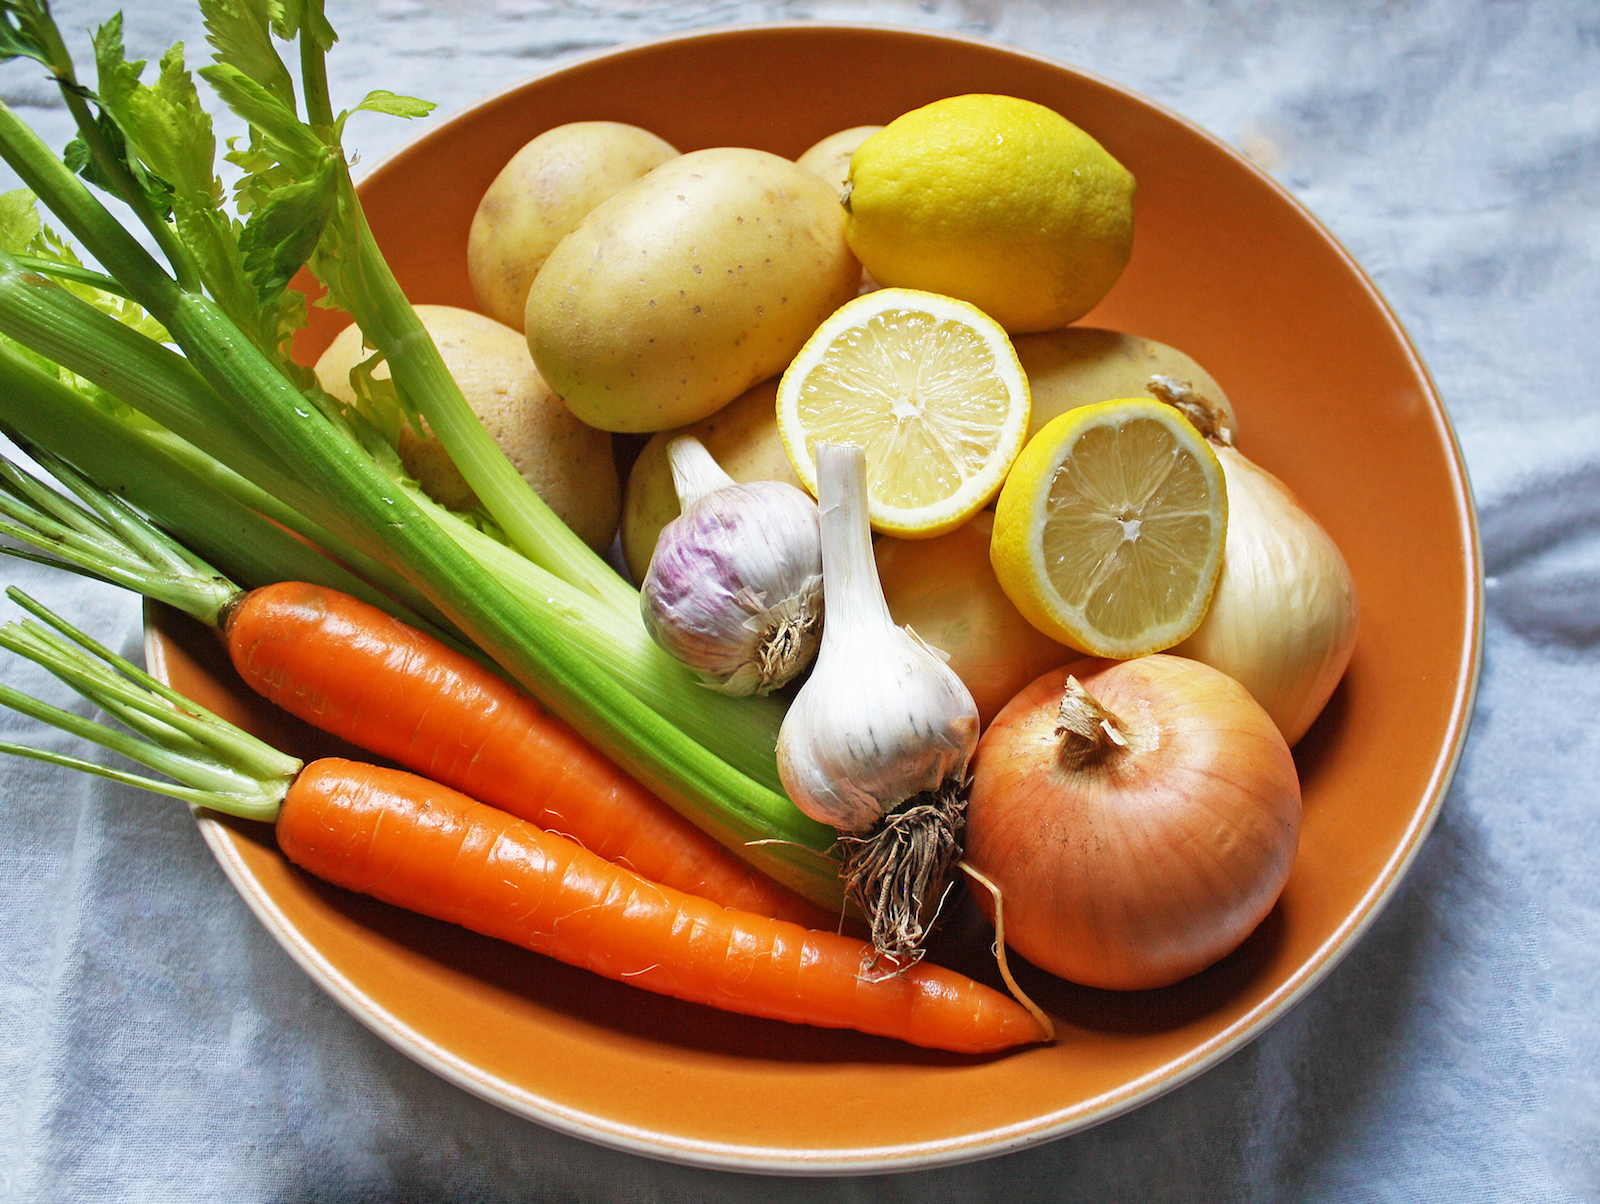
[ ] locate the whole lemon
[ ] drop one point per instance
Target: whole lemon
(998, 201)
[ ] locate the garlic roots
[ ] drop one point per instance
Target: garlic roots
(1284, 616)
(734, 589)
(877, 741)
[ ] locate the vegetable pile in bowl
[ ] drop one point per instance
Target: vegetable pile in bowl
(1046, 627)
(875, 294)
(1229, 289)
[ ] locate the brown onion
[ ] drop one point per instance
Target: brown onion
(1138, 817)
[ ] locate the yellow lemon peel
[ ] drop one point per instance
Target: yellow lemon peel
(996, 200)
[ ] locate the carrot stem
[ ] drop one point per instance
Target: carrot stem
(112, 538)
(355, 671)
(209, 761)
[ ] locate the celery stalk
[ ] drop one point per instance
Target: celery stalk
(392, 326)
(360, 280)
(165, 386)
(532, 643)
(255, 552)
(144, 468)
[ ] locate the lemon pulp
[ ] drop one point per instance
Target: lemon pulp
(931, 390)
(1109, 533)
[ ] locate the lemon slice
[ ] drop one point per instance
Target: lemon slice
(929, 387)
(1108, 534)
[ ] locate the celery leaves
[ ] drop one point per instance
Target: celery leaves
(240, 33)
(26, 31)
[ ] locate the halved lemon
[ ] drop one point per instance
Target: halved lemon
(929, 387)
(1108, 535)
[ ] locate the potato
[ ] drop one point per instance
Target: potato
(1080, 365)
(567, 463)
(544, 191)
(830, 158)
(742, 437)
(945, 590)
(681, 291)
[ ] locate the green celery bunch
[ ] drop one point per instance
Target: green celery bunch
(555, 617)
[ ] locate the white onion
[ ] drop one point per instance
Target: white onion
(1284, 615)
(1283, 619)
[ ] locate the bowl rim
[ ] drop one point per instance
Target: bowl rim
(1085, 1114)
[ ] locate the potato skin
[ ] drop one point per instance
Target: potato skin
(681, 291)
(1080, 365)
(830, 158)
(568, 464)
(542, 193)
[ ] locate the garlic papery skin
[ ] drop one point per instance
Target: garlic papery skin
(734, 589)
(877, 741)
(1283, 619)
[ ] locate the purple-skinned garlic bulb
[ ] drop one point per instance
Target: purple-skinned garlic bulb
(734, 589)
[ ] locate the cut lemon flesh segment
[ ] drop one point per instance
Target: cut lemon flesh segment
(929, 387)
(1108, 535)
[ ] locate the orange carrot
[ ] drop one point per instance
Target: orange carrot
(433, 850)
(352, 670)
(414, 843)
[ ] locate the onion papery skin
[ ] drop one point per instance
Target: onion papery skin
(1283, 619)
(1142, 865)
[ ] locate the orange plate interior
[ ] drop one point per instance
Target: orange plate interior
(1330, 395)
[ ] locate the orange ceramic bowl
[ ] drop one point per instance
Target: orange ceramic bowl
(1330, 396)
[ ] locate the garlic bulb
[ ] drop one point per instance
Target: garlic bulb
(877, 741)
(734, 588)
(1283, 619)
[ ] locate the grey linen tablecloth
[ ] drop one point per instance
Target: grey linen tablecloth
(155, 1044)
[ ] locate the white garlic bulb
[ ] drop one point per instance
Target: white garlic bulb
(877, 741)
(734, 588)
(1283, 619)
